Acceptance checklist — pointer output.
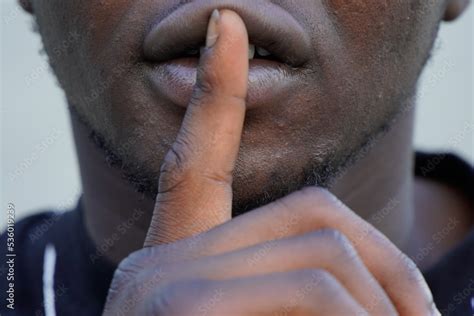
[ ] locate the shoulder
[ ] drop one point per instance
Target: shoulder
(452, 280)
(451, 179)
(446, 168)
(53, 266)
(25, 242)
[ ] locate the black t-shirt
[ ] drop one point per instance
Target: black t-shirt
(58, 270)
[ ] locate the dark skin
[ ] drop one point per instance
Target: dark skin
(225, 156)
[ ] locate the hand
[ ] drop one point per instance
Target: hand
(306, 254)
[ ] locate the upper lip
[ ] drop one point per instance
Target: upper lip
(268, 25)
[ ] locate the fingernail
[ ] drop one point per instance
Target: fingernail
(212, 29)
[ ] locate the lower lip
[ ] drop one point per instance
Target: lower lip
(268, 81)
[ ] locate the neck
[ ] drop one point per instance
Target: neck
(378, 187)
(116, 216)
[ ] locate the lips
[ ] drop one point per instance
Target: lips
(281, 49)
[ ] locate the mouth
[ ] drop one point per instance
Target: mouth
(278, 51)
(255, 52)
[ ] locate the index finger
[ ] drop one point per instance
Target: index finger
(195, 185)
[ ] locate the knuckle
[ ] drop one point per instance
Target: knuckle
(210, 85)
(410, 269)
(334, 236)
(131, 265)
(136, 265)
(204, 86)
(168, 300)
(174, 160)
(318, 281)
(412, 276)
(316, 286)
(184, 297)
(207, 81)
(175, 167)
(328, 283)
(341, 244)
(366, 232)
(312, 278)
(317, 195)
(313, 199)
(219, 177)
(126, 293)
(314, 192)
(208, 91)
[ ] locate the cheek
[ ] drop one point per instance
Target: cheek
(102, 18)
(90, 22)
(68, 30)
(63, 38)
(376, 22)
(387, 42)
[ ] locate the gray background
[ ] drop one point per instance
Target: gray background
(38, 163)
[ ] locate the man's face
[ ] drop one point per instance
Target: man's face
(357, 64)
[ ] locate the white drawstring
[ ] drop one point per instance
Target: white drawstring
(49, 266)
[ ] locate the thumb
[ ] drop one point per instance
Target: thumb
(195, 185)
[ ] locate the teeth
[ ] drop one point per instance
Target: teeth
(263, 52)
(251, 51)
